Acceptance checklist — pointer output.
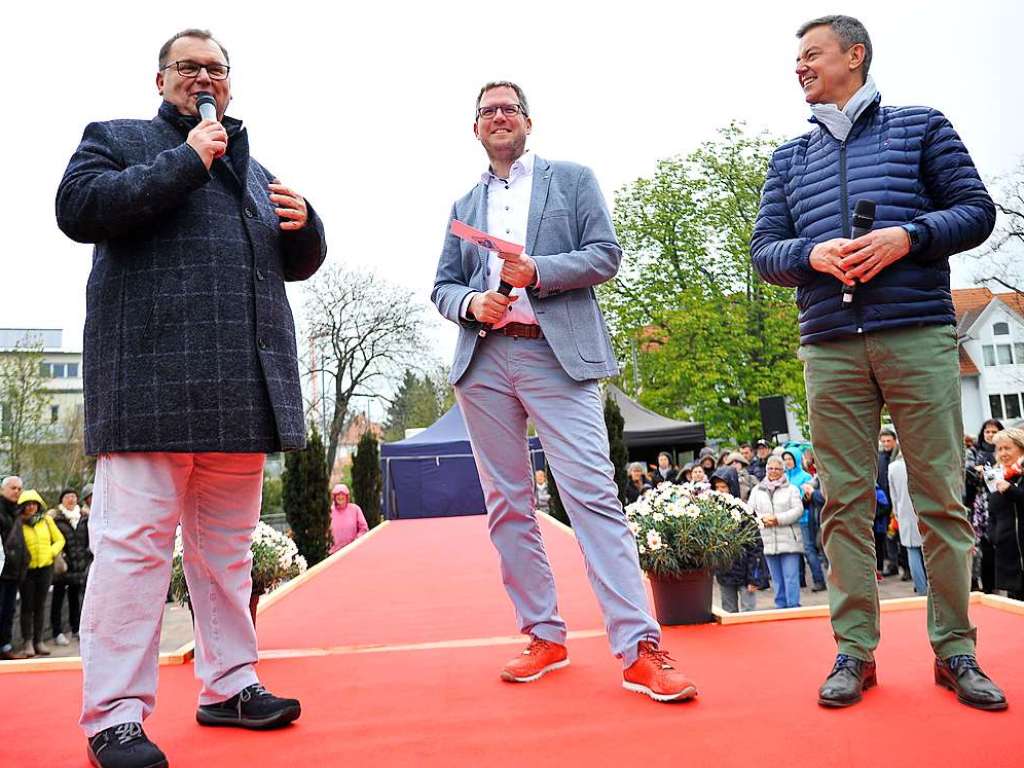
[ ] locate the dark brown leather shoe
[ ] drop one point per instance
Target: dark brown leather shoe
(963, 676)
(846, 683)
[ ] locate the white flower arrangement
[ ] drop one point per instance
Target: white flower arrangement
(275, 560)
(689, 527)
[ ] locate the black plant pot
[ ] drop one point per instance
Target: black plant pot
(682, 598)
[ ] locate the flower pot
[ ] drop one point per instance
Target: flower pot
(682, 598)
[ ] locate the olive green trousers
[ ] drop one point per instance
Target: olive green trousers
(915, 372)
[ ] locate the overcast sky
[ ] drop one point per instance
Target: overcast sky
(369, 112)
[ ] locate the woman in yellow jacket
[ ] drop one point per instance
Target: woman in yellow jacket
(44, 542)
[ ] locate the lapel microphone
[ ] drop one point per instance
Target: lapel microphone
(863, 221)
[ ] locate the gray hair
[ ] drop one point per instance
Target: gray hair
(636, 465)
(504, 84)
(849, 31)
(201, 34)
(7, 480)
(774, 459)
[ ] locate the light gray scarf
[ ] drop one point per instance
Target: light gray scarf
(839, 122)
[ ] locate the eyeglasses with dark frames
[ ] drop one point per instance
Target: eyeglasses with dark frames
(508, 110)
(188, 68)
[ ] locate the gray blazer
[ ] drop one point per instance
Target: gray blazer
(570, 235)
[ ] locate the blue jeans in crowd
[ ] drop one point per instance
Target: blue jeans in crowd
(809, 532)
(917, 570)
(785, 571)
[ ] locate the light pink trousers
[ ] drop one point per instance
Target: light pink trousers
(138, 501)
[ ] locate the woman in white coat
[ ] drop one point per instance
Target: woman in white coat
(778, 506)
(906, 519)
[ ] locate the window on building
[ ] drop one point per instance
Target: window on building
(5, 419)
(54, 413)
(1003, 354)
(72, 368)
(1018, 353)
(990, 355)
(1001, 329)
(1011, 406)
(995, 405)
(44, 371)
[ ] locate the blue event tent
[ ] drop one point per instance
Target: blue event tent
(432, 474)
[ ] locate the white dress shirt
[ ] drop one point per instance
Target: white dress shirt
(508, 214)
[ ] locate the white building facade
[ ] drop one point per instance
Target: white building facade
(990, 328)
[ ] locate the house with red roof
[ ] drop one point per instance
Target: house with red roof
(990, 331)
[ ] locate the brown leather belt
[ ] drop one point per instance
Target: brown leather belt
(521, 330)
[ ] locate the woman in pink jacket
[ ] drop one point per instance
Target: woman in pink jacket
(347, 521)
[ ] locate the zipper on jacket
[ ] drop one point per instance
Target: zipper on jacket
(844, 202)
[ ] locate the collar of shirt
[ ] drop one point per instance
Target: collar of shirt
(521, 168)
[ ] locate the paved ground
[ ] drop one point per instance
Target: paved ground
(177, 630)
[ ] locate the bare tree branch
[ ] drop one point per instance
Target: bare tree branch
(368, 331)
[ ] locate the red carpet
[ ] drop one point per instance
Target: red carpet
(446, 707)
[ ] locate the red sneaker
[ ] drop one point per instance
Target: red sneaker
(652, 674)
(539, 658)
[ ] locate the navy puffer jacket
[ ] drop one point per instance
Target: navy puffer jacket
(911, 162)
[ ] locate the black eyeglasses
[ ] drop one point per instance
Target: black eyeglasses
(191, 69)
(488, 113)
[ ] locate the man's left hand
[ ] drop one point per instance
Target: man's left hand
(866, 256)
(291, 206)
(519, 270)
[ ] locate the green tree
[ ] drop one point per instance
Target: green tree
(25, 405)
(618, 452)
(417, 403)
(366, 478)
(305, 497)
(711, 336)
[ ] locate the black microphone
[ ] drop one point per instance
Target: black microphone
(863, 221)
(207, 106)
(504, 289)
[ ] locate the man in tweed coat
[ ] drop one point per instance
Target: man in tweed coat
(191, 377)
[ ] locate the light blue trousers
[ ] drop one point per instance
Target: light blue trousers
(785, 570)
(513, 379)
(917, 570)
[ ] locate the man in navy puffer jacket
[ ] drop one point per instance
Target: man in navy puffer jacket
(895, 344)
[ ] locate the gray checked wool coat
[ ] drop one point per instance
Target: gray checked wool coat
(189, 338)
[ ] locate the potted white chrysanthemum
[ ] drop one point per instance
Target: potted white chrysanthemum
(275, 560)
(683, 534)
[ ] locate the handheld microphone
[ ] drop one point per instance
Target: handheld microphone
(504, 289)
(863, 221)
(207, 106)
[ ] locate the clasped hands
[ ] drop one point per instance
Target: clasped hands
(209, 139)
(519, 271)
(860, 260)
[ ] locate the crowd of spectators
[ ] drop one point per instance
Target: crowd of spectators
(782, 487)
(43, 551)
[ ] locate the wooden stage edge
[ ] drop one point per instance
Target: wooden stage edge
(184, 654)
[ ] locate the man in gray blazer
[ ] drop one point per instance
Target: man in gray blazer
(546, 349)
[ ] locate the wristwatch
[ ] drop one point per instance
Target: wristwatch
(914, 232)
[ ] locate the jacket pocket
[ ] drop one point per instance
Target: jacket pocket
(586, 326)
